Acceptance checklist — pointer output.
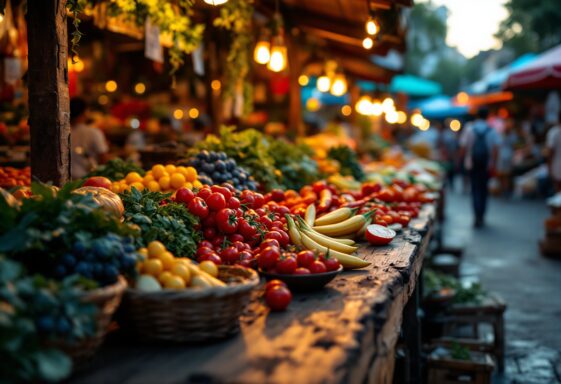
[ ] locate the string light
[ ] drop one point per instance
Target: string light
(401, 117)
(376, 109)
(313, 104)
(262, 52)
(363, 105)
(372, 26)
(462, 98)
(339, 85)
(103, 100)
(303, 80)
(346, 110)
(139, 88)
(111, 86)
(425, 125)
(215, 2)
(178, 114)
(388, 105)
(455, 125)
(417, 119)
(324, 84)
(367, 43)
(76, 65)
(392, 117)
(278, 60)
(193, 113)
(216, 85)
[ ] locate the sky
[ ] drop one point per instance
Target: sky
(472, 23)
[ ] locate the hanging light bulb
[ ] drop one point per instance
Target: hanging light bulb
(417, 119)
(323, 84)
(367, 43)
(372, 26)
(262, 52)
(401, 117)
(376, 109)
(363, 105)
(215, 2)
(278, 60)
(392, 117)
(303, 80)
(388, 105)
(339, 86)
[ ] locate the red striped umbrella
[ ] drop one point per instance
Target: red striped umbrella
(542, 73)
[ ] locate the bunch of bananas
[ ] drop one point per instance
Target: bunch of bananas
(331, 233)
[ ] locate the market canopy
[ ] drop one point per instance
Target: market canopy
(494, 80)
(414, 86)
(440, 107)
(542, 73)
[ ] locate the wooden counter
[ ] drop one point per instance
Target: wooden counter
(346, 333)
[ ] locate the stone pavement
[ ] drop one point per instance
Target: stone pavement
(505, 257)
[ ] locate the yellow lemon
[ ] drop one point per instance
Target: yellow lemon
(197, 184)
(153, 186)
(138, 185)
(167, 259)
(174, 282)
(158, 171)
(190, 174)
(181, 270)
(164, 183)
(170, 168)
(155, 249)
(153, 267)
(209, 267)
(133, 177)
(177, 180)
(162, 277)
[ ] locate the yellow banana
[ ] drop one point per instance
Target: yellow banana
(311, 214)
(336, 216)
(293, 231)
(329, 242)
(304, 225)
(347, 261)
(347, 227)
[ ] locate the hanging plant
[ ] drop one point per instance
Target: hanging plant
(170, 16)
(236, 17)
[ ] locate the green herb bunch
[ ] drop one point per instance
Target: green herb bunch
(116, 169)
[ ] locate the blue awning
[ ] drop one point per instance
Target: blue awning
(414, 86)
(439, 107)
(494, 81)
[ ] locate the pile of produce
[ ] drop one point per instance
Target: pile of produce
(116, 169)
(216, 168)
(348, 161)
(12, 177)
(160, 178)
(273, 163)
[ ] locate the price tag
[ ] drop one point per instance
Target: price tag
(153, 50)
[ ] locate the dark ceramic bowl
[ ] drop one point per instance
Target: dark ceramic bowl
(304, 283)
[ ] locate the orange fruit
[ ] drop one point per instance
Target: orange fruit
(158, 171)
(153, 267)
(133, 177)
(164, 183)
(170, 168)
(138, 185)
(174, 282)
(177, 180)
(181, 270)
(155, 249)
(197, 184)
(209, 267)
(153, 186)
(190, 174)
(162, 277)
(167, 259)
(147, 179)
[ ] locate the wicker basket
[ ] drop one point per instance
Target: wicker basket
(106, 299)
(190, 315)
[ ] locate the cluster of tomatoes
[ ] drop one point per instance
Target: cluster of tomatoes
(236, 226)
(12, 177)
(305, 262)
(277, 295)
(323, 195)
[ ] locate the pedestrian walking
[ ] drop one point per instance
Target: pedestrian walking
(507, 142)
(479, 149)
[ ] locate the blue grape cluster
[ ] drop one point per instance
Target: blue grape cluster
(218, 168)
(102, 259)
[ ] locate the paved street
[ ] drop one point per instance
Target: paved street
(506, 258)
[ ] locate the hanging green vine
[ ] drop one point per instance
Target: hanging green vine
(170, 16)
(236, 17)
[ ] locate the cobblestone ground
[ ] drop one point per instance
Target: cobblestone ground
(505, 257)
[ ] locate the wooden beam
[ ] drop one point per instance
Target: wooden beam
(296, 59)
(49, 104)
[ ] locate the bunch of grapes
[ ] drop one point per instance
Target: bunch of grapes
(102, 259)
(218, 168)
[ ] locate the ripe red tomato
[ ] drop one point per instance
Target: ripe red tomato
(209, 233)
(278, 298)
(234, 203)
(302, 271)
(216, 201)
(230, 255)
(285, 238)
(226, 220)
(286, 265)
(379, 235)
(204, 193)
(202, 251)
(332, 264)
(319, 186)
(305, 258)
(246, 255)
(184, 195)
(404, 220)
(246, 230)
(206, 243)
(258, 200)
(222, 190)
(214, 258)
(198, 207)
(218, 242)
(266, 221)
(274, 235)
(268, 257)
(317, 267)
(270, 243)
(277, 195)
(273, 284)
(282, 210)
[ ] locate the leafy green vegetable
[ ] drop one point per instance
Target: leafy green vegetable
(116, 169)
(295, 163)
(170, 223)
(434, 282)
(347, 158)
(34, 311)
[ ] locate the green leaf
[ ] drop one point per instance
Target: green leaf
(53, 365)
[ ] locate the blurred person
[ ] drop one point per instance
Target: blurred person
(553, 147)
(447, 146)
(88, 142)
(507, 142)
(479, 149)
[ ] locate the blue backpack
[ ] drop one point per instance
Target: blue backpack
(480, 149)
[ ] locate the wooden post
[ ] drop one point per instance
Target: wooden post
(295, 60)
(49, 105)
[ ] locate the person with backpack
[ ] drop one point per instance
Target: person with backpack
(479, 149)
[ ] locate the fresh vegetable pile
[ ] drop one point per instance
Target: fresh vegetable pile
(12, 177)
(160, 178)
(116, 169)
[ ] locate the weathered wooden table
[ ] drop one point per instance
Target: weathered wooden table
(346, 333)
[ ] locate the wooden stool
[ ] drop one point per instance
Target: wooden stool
(489, 311)
(443, 369)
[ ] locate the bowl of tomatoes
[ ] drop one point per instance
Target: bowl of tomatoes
(303, 271)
